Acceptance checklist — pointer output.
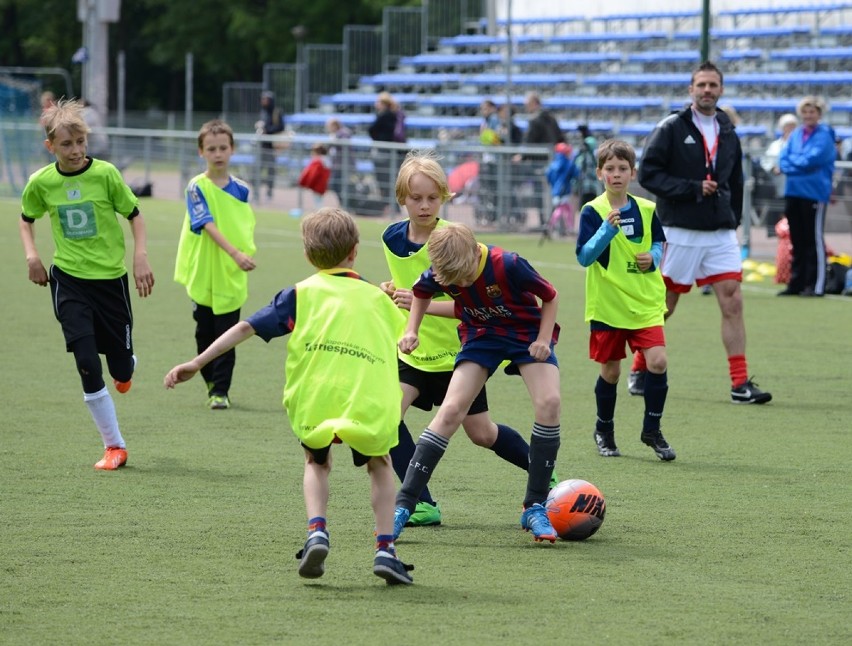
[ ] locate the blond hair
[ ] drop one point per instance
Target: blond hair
(425, 162)
(215, 127)
(328, 235)
(813, 102)
(65, 113)
(454, 253)
(617, 149)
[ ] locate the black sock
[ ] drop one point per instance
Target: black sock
(544, 446)
(656, 390)
(401, 455)
(512, 447)
(605, 397)
(428, 452)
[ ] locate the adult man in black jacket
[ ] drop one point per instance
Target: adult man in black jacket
(692, 163)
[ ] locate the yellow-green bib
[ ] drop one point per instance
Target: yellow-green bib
(620, 295)
(210, 275)
(438, 335)
(341, 369)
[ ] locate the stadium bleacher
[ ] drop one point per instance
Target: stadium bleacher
(621, 71)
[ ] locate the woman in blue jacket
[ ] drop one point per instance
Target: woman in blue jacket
(807, 160)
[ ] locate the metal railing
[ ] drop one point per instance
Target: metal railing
(497, 187)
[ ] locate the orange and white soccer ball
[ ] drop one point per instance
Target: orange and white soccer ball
(576, 509)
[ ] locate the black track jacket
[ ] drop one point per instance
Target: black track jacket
(673, 167)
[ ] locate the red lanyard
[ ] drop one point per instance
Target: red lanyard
(709, 153)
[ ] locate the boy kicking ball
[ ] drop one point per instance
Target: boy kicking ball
(496, 295)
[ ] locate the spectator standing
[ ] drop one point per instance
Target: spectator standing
(98, 139)
(769, 163)
(542, 130)
(339, 159)
(807, 159)
(271, 122)
(382, 129)
(588, 186)
(316, 173)
(693, 164)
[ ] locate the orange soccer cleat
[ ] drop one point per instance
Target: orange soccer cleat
(114, 457)
(124, 386)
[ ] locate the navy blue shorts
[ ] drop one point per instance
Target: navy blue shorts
(432, 388)
(490, 351)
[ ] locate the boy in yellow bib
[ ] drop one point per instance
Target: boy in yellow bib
(620, 242)
(215, 253)
(341, 379)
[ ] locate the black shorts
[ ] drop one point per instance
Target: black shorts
(99, 308)
(432, 387)
(321, 455)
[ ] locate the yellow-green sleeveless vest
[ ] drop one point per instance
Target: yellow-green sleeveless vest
(210, 275)
(438, 335)
(341, 369)
(620, 295)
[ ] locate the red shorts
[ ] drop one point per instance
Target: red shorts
(608, 345)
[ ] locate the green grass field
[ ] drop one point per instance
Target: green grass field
(744, 539)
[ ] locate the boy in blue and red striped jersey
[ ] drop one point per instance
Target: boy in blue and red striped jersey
(496, 296)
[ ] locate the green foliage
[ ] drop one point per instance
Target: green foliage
(229, 42)
(743, 539)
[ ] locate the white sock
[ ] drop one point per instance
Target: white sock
(102, 408)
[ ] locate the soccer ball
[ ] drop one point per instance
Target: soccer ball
(576, 509)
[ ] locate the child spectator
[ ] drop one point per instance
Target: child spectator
(422, 188)
(316, 173)
(215, 253)
(341, 379)
(561, 175)
(620, 242)
(88, 279)
(496, 297)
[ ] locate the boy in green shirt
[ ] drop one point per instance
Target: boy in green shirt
(88, 279)
(341, 380)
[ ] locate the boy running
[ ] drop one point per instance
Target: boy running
(341, 380)
(88, 279)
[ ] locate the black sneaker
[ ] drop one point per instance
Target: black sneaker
(656, 441)
(388, 567)
(606, 444)
(312, 556)
(748, 393)
(636, 383)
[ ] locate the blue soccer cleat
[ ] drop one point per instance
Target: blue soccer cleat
(535, 520)
(400, 518)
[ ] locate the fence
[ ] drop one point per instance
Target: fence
(494, 191)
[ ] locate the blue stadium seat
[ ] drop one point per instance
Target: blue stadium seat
(475, 41)
(450, 60)
(363, 99)
(667, 56)
(761, 32)
(534, 80)
(420, 80)
(810, 53)
(784, 9)
(610, 36)
(563, 58)
(741, 54)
